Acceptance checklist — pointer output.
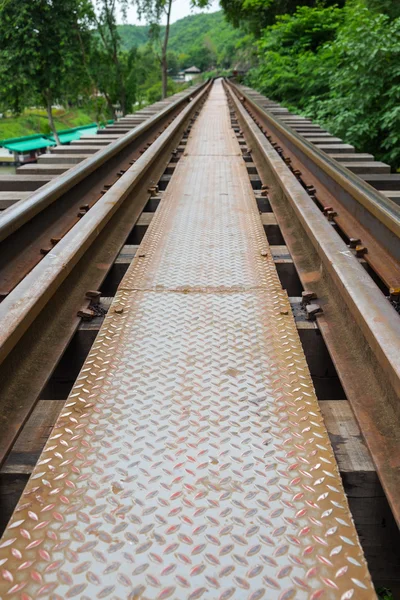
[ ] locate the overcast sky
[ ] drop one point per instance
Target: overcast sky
(180, 9)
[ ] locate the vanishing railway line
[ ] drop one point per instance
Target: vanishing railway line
(242, 452)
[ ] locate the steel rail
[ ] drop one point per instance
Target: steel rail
(31, 227)
(384, 209)
(376, 216)
(39, 317)
(359, 325)
(23, 211)
(190, 459)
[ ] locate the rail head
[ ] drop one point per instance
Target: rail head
(359, 325)
(19, 309)
(381, 207)
(24, 210)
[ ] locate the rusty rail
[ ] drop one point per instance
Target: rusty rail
(30, 228)
(40, 312)
(23, 211)
(190, 459)
(360, 327)
(361, 212)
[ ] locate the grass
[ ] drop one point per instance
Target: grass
(34, 121)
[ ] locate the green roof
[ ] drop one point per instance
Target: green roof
(67, 135)
(26, 144)
(74, 134)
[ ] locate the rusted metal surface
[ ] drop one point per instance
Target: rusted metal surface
(191, 458)
(362, 212)
(45, 314)
(360, 327)
(28, 227)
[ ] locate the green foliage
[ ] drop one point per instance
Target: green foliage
(204, 40)
(340, 67)
(293, 55)
(388, 7)
(133, 35)
(41, 51)
(384, 593)
(35, 121)
(111, 69)
(154, 93)
(79, 56)
(207, 40)
(255, 15)
(364, 100)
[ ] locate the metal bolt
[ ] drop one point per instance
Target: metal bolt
(306, 297)
(312, 311)
(86, 314)
(361, 250)
(93, 294)
(354, 242)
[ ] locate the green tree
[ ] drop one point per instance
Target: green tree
(293, 58)
(388, 7)
(110, 52)
(41, 51)
(255, 15)
(341, 67)
(204, 37)
(154, 11)
(363, 104)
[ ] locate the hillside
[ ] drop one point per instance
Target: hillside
(35, 121)
(205, 39)
(133, 35)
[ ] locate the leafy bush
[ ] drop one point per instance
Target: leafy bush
(293, 59)
(340, 67)
(153, 93)
(363, 105)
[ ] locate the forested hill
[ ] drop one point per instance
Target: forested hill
(205, 40)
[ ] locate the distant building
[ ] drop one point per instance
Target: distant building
(191, 73)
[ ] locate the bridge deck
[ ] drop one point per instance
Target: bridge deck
(191, 460)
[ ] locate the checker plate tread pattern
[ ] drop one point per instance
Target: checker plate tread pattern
(191, 460)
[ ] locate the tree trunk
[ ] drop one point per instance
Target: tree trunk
(164, 61)
(164, 72)
(110, 18)
(50, 117)
(110, 105)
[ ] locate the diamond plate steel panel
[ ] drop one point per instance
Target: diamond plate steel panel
(191, 460)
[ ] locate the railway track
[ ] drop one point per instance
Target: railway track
(333, 242)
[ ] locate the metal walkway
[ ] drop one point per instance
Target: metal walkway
(191, 460)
